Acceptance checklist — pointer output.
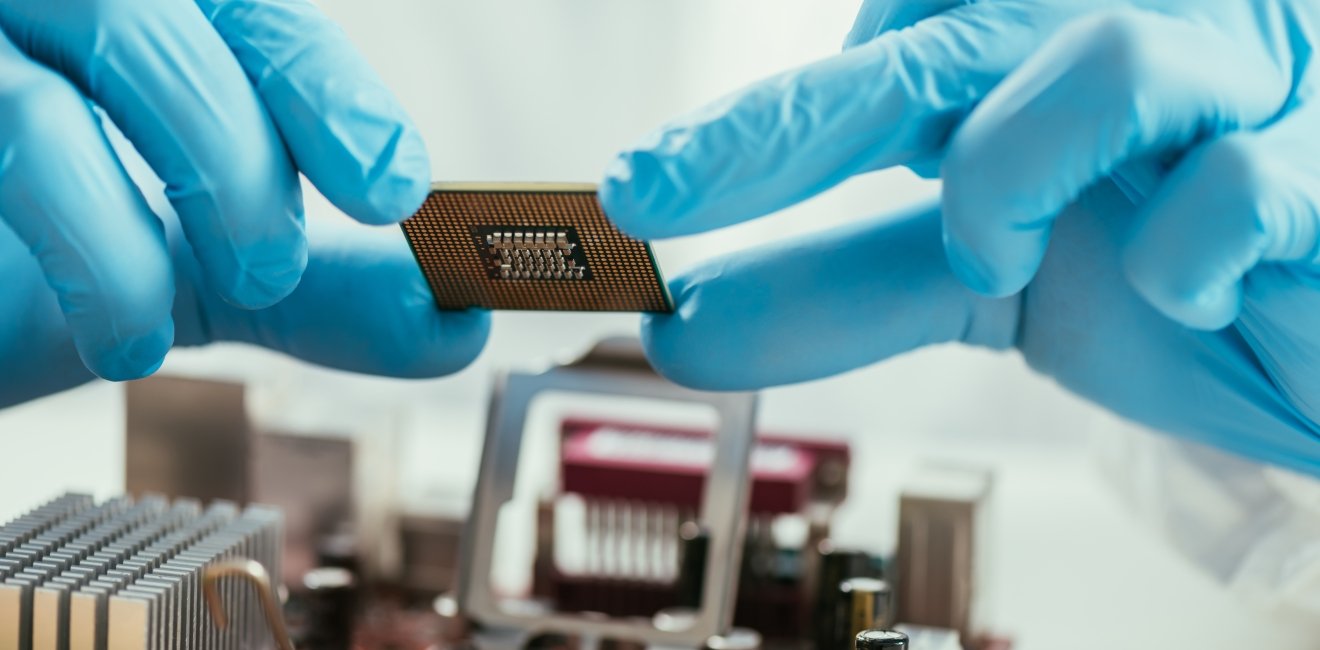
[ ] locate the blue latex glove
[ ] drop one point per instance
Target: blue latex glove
(362, 305)
(227, 100)
(1131, 192)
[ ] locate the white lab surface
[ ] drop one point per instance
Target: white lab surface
(548, 90)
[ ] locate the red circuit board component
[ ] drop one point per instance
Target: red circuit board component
(640, 481)
(637, 462)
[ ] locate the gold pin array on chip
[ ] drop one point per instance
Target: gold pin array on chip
(531, 246)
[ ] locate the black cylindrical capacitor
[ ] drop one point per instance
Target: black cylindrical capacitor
(550, 642)
(694, 545)
(864, 604)
(834, 566)
(339, 550)
(331, 604)
(881, 640)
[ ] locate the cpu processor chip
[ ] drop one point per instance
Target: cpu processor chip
(533, 246)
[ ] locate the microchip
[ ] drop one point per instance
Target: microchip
(534, 246)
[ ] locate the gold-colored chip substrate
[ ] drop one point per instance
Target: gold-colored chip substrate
(537, 246)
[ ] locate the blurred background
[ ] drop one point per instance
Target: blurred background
(1101, 531)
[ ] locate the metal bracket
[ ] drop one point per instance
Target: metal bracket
(615, 367)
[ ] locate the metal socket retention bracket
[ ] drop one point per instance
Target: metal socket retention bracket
(614, 367)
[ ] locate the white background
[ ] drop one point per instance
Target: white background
(547, 90)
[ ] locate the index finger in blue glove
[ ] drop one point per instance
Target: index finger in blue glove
(344, 128)
(363, 306)
(889, 102)
(1230, 205)
(1108, 89)
(172, 86)
(748, 320)
(99, 247)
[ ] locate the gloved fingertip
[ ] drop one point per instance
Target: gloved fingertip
(637, 194)
(258, 284)
(616, 193)
(1207, 308)
(670, 339)
(976, 273)
(398, 183)
(1189, 299)
(663, 344)
(1216, 308)
(1210, 311)
(465, 334)
(136, 359)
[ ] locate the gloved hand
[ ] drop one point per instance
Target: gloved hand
(362, 305)
(227, 100)
(1131, 192)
